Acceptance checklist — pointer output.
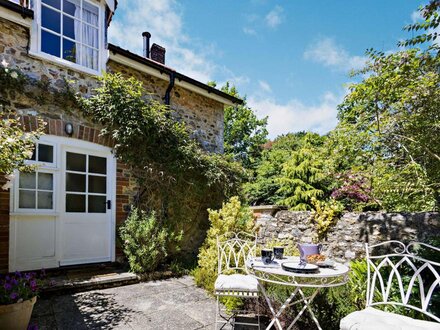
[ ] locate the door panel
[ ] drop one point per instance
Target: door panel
(85, 220)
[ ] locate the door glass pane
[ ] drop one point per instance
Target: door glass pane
(75, 182)
(50, 44)
(97, 204)
(26, 199)
(97, 184)
(44, 200)
(27, 180)
(76, 162)
(45, 153)
(45, 181)
(69, 27)
(69, 50)
(97, 165)
(75, 203)
(53, 3)
(51, 19)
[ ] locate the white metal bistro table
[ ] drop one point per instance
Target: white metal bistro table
(273, 273)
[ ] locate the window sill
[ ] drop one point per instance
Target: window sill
(64, 63)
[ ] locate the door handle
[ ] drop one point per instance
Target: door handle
(109, 204)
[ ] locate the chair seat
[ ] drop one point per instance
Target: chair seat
(236, 282)
(374, 319)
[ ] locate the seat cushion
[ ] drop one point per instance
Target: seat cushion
(374, 319)
(236, 282)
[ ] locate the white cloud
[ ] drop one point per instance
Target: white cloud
(330, 54)
(295, 116)
(264, 86)
(249, 31)
(274, 17)
(163, 19)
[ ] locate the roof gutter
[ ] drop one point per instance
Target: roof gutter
(158, 70)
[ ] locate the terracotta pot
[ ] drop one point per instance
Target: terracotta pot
(16, 316)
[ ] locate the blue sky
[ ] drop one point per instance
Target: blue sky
(290, 58)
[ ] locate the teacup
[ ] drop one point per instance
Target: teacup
(278, 252)
(266, 256)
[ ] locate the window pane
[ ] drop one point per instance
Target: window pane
(45, 153)
(45, 200)
(34, 154)
(69, 50)
(90, 36)
(27, 180)
(75, 182)
(45, 181)
(51, 19)
(69, 27)
(97, 165)
(90, 14)
(50, 44)
(97, 204)
(69, 7)
(90, 58)
(76, 162)
(97, 184)
(75, 203)
(53, 3)
(26, 199)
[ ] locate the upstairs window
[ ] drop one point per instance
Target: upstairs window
(70, 30)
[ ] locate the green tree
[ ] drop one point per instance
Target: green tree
(303, 178)
(388, 124)
(244, 133)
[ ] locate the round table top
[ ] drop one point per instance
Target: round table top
(255, 266)
(338, 270)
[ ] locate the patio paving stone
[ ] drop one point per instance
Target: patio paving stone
(169, 304)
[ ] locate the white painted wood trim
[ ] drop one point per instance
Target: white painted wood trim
(156, 73)
(15, 17)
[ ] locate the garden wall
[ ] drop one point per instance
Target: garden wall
(346, 240)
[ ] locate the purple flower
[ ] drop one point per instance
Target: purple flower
(18, 274)
(7, 286)
(27, 276)
(33, 284)
(13, 295)
(14, 281)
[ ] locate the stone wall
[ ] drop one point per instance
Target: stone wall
(346, 240)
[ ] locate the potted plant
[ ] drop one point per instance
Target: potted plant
(18, 294)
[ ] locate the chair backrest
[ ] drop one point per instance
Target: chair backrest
(234, 249)
(399, 275)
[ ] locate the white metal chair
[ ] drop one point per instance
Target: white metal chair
(232, 281)
(415, 289)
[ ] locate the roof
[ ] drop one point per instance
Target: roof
(179, 76)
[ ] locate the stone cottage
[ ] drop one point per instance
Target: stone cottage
(66, 212)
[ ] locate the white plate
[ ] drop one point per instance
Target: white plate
(296, 266)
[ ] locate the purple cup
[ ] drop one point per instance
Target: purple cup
(306, 249)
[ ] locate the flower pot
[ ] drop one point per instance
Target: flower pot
(16, 316)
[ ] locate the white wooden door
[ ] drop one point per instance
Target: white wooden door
(86, 226)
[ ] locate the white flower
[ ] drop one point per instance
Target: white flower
(10, 177)
(14, 75)
(7, 185)
(4, 63)
(28, 154)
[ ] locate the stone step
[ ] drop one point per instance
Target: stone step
(87, 278)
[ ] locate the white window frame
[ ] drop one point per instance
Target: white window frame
(35, 44)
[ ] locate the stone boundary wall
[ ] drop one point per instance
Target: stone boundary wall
(346, 240)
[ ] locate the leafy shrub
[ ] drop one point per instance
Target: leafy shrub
(325, 215)
(145, 241)
(232, 217)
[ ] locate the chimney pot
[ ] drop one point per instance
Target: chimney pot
(158, 53)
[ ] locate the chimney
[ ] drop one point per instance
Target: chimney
(157, 53)
(146, 35)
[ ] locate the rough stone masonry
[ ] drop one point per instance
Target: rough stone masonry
(346, 240)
